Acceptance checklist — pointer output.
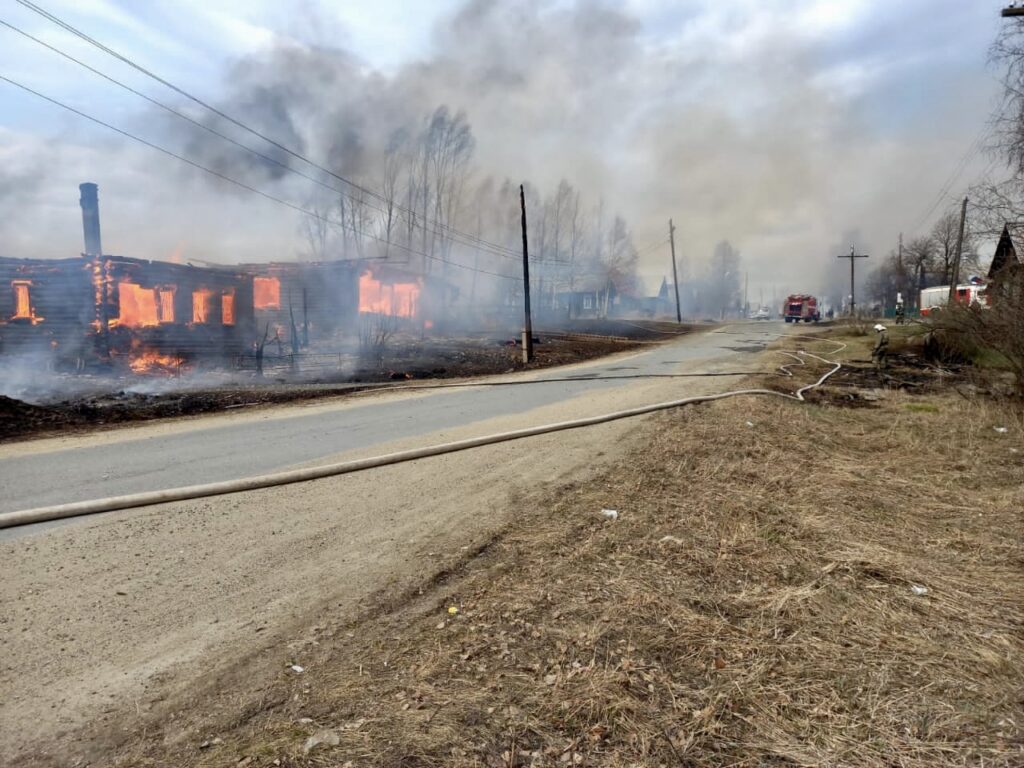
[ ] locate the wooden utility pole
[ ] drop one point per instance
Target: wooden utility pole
(528, 325)
(900, 288)
(853, 256)
(959, 250)
(675, 272)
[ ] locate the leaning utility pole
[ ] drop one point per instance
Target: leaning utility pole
(852, 255)
(528, 326)
(959, 249)
(675, 272)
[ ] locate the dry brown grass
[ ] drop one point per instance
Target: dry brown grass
(752, 605)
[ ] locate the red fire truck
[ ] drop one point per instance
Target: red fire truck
(799, 307)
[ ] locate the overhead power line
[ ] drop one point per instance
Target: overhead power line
(240, 184)
(972, 150)
(213, 131)
(354, 185)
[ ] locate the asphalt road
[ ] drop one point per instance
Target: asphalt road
(110, 621)
(209, 450)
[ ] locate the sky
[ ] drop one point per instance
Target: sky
(793, 128)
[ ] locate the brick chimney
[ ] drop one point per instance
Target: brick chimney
(90, 202)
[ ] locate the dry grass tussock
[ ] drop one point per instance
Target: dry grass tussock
(757, 602)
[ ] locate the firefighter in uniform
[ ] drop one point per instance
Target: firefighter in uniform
(881, 350)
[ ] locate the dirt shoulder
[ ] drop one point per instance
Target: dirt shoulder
(784, 583)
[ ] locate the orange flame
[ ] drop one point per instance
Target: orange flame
(23, 309)
(266, 293)
(166, 307)
(393, 299)
(151, 361)
(201, 305)
(227, 307)
(138, 307)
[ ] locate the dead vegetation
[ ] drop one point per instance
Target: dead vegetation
(785, 585)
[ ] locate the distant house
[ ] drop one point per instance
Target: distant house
(589, 298)
(655, 297)
(1009, 255)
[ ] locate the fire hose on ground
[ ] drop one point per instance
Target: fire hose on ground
(289, 477)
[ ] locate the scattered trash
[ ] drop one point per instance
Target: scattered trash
(325, 736)
(1001, 430)
(211, 743)
(304, 720)
(297, 669)
(750, 423)
(918, 590)
(452, 609)
(441, 625)
(611, 514)
(670, 540)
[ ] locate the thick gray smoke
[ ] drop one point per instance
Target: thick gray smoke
(777, 126)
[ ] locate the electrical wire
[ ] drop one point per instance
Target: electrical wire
(958, 169)
(241, 184)
(213, 131)
(508, 252)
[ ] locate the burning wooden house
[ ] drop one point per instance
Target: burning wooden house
(97, 309)
(303, 299)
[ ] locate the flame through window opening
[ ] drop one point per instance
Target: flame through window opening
(137, 306)
(227, 307)
(392, 299)
(266, 292)
(165, 294)
(23, 309)
(201, 305)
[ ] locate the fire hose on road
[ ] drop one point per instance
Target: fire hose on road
(288, 477)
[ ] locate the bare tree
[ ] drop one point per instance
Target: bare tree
(577, 230)
(396, 158)
(316, 230)
(375, 332)
(887, 280)
(918, 256)
(723, 280)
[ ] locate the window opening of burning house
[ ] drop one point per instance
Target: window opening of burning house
(137, 306)
(391, 299)
(266, 293)
(201, 305)
(23, 309)
(166, 305)
(227, 307)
